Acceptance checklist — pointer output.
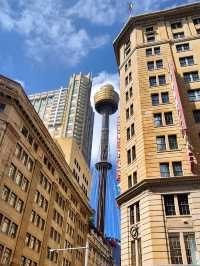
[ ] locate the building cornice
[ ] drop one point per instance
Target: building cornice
(13, 90)
(159, 184)
(163, 15)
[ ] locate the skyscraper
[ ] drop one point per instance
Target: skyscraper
(159, 64)
(68, 112)
(79, 114)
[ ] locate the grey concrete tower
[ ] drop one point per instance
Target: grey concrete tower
(106, 103)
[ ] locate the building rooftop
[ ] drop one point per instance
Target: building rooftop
(157, 15)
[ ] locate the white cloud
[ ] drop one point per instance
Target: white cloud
(48, 31)
(101, 79)
(104, 12)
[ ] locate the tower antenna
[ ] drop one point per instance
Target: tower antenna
(130, 8)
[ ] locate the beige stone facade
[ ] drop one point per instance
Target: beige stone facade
(76, 162)
(159, 64)
(100, 251)
(41, 207)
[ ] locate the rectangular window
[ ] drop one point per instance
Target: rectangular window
(182, 47)
(178, 35)
(137, 210)
(129, 156)
(131, 92)
(130, 77)
(134, 178)
(127, 98)
(157, 50)
(159, 64)
(19, 205)
(5, 193)
(165, 97)
(24, 158)
(183, 204)
(13, 230)
(155, 99)
(177, 168)
(128, 136)
(168, 118)
(194, 95)
(18, 151)
(152, 81)
(150, 65)
(127, 113)
(131, 109)
(132, 216)
(30, 165)
(126, 81)
(24, 185)
(161, 145)
(176, 25)
(169, 205)
(191, 76)
(196, 114)
(129, 181)
(12, 199)
(133, 153)
(164, 170)
(175, 248)
(186, 61)
(196, 21)
(6, 256)
(18, 178)
(2, 107)
(149, 52)
(190, 247)
(5, 225)
(158, 120)
(172, 139)
(161, 80)
(132, 130)
(149, 29)
(12, 171)
(151, 37)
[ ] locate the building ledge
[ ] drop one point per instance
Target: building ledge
(158, 184)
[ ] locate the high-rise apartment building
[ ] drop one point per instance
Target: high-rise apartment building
(68, 112)
(159, 63)
(41, 207)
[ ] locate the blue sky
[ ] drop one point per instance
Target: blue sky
(42, 42)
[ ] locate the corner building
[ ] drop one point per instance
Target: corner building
(41, 207)
(159, 64)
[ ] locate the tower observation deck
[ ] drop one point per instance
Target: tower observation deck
(106, 103)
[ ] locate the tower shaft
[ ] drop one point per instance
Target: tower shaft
(106, 103)
(103, 172)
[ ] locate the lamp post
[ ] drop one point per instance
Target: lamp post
(65, 249)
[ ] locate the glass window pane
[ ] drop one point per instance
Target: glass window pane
(164, 170)
(183, 204)
(169, 205)
(175, 248)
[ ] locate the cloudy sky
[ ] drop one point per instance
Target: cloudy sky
(43, 42)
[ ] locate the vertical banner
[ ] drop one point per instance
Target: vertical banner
(180, 112)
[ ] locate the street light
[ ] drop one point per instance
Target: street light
(64, 249)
